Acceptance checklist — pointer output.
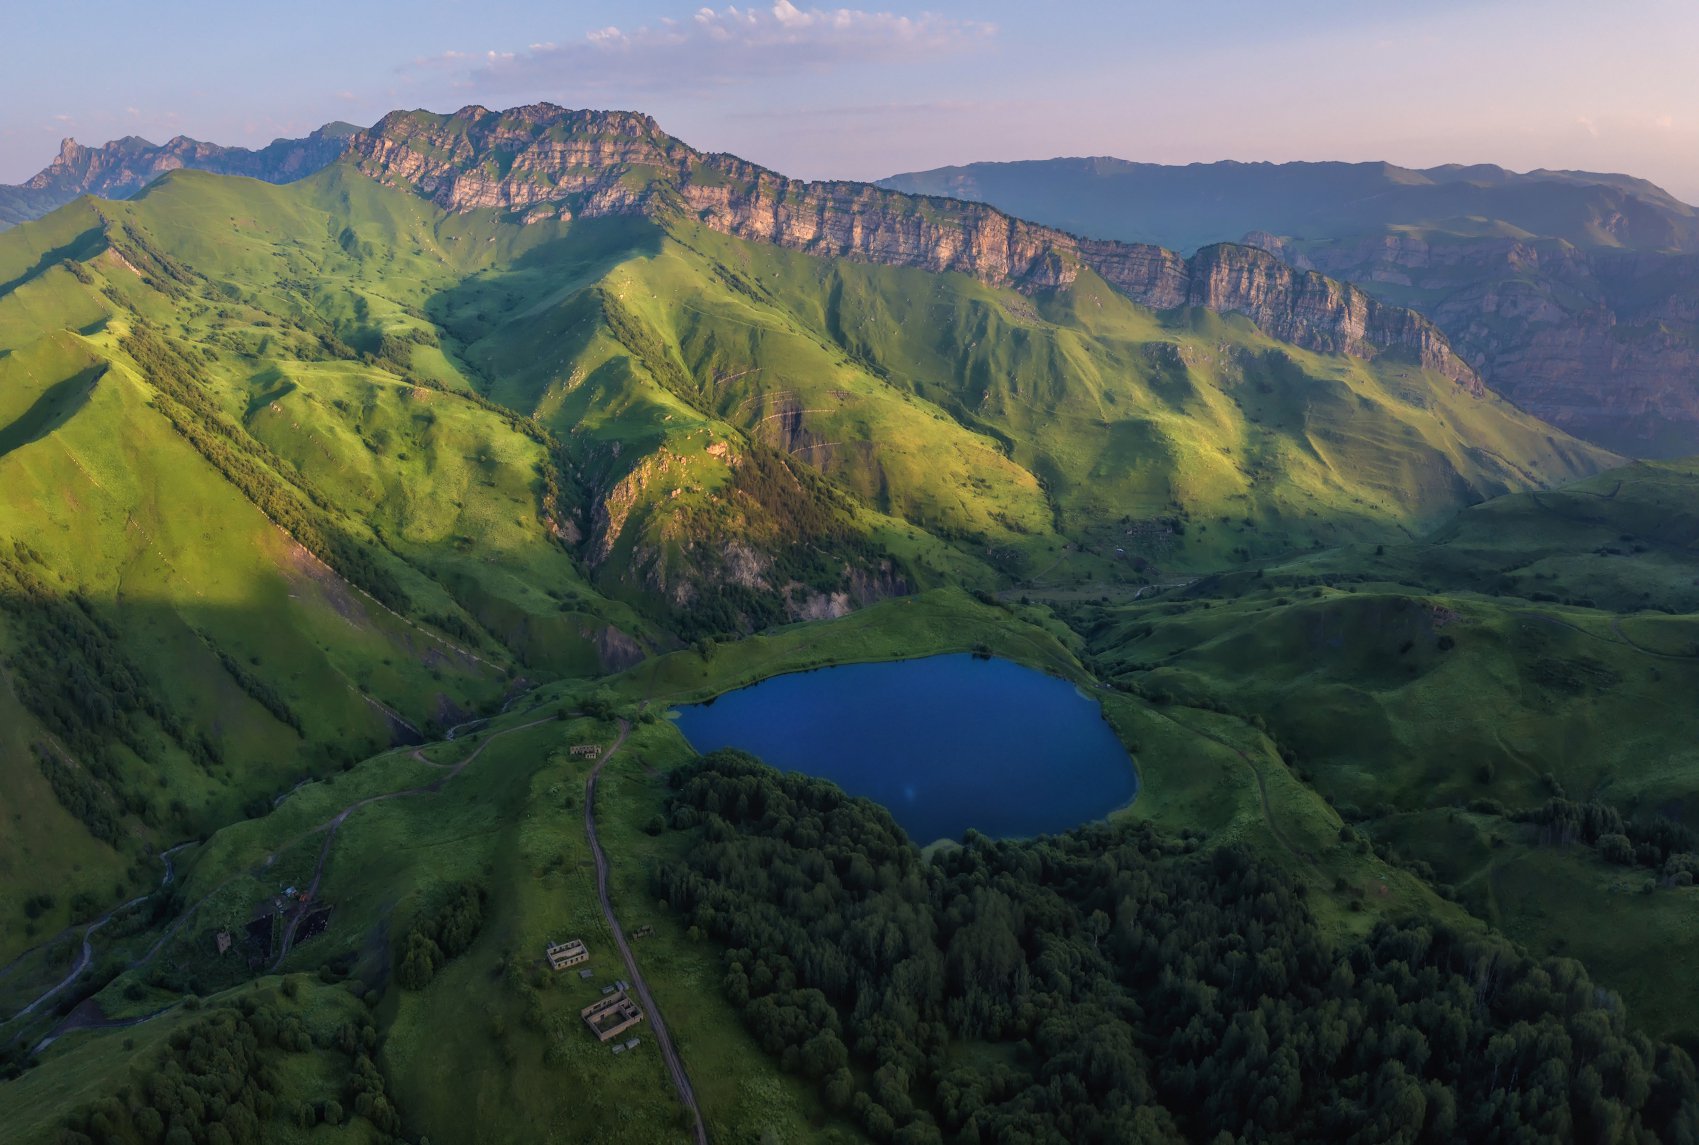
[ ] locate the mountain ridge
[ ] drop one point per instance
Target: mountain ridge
(120, 168)
(600, 163)
(1309, 199)
(1572, 293)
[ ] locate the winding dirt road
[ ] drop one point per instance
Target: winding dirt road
(675, 1065)
(331, 826)
(87, 956)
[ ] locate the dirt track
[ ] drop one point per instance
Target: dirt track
(331, 826)
(675, 1065)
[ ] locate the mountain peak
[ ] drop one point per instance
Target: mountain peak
(544, 161)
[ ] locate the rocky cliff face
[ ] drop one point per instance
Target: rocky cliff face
(1569, 291)
(543, 160)
(124, 166)
(1602, 343)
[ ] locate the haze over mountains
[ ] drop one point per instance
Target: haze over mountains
(1573, 293)
(119, 169)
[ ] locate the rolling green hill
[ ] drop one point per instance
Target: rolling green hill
(300, 484)
(1448, 697)
(489, 450)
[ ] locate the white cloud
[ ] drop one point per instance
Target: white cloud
(715, 47)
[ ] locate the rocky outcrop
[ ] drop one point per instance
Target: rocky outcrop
(547, 161)
(1602, 343)
(122, 167)
(1570, 292)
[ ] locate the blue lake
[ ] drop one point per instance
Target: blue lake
(946, 742)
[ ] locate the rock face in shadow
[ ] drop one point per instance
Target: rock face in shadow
(544, 161)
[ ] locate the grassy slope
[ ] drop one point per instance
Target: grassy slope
(1513, 655)
(1011, 425)
(1020, 426)
(977, 430)
(514, 821)
(122, 509)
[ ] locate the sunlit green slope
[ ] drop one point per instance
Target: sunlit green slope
(290, 473)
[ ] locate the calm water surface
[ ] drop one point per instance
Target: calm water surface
(946, 742)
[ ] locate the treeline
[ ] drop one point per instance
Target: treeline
(1114, 984)
(81, 794)
(156, 268)
(224, 1079)
(254, 469)
(69, 670)
(258, 690)
(1658, 843)
(444, 931)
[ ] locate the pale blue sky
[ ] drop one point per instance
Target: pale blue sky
(890, 86)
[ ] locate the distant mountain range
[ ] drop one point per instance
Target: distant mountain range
(1191, 206)
(1574, 293)
(122, 167)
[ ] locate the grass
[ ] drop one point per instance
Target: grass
(82, 1068)
(1540, 644)
(513, 821)
(544, 436)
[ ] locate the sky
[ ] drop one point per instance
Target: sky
(860, 93)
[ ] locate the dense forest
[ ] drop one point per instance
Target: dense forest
(221, 1080)
(1115, 984)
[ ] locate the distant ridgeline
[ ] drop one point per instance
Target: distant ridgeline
(124, 166)
(558, 163)
(1572, 292)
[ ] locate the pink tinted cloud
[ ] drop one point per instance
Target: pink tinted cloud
(715, 47)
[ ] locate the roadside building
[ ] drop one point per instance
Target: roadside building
(611, 1016)
(568, 953)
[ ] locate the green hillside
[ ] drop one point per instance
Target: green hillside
(1571, 292)
(296, 481)
(1459, 700)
